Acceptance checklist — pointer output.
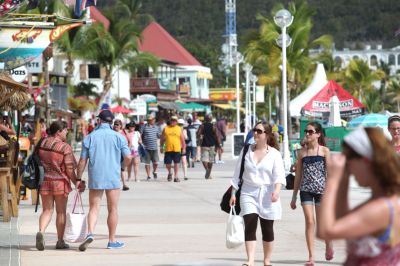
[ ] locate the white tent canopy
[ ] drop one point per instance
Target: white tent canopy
(319, 81)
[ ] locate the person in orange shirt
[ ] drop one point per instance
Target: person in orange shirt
(172, 137)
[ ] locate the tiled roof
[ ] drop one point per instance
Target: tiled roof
(98, 17)
(156, 40)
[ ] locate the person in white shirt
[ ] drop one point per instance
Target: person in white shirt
(263, 177)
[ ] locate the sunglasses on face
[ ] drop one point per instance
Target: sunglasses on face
(309, 131)
(117, 125)
(258, 131)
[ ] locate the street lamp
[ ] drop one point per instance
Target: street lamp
(253, 79)
(237, 58)
(247, 68)
(284, 19)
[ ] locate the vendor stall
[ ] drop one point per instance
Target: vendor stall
(15, 97)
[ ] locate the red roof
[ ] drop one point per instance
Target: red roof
(156, 40)
(320, 102)
(96, 15)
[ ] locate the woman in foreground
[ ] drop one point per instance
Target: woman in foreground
(372, 229)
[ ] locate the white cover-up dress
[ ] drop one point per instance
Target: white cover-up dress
(259, 182)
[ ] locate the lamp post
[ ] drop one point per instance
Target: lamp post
(254, 79)
(247, 68)
(238, 58)
(284, 19)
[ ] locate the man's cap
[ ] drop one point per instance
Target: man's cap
(181, 121)
(174, 117)
(150, 117)
(106, 115)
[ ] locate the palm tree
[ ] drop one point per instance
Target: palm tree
(393, 94)
(359, 78)
(373, 101)
(113, 49)
(262, 50)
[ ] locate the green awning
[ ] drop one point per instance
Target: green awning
(192, 107)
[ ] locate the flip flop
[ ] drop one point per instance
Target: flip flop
(329, 254)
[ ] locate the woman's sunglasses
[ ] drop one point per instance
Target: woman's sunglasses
(117, 125)
(258, 131)
(309, 131)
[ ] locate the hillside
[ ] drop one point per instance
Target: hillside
(200, 24)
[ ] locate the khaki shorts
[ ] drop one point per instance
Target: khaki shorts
(208, 154)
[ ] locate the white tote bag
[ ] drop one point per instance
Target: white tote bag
(234, 230)
(76, 221)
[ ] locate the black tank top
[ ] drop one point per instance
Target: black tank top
(208, 135)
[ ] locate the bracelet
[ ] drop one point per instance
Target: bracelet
(233, 193)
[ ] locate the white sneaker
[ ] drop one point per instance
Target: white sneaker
(221, 162)
(137, 180)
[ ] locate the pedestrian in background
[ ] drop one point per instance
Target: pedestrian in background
(310, 179)
(191, 145)
(372, 229)
(103, 149)
(207, 134)
(172, 137)
(134, 140)
(150, 134)
(221, 133)
(263, 177)
(394, 130)
(184, 164)
(118, 127)
(58, 161)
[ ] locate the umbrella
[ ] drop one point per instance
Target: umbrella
(120, 109)
(369, 120)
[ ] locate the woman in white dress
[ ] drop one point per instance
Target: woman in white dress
(263, 177)
(134, 138)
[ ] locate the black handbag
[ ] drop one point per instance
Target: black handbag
(227, 195)
(290, 182)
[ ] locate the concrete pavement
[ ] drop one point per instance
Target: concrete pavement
(168, 224)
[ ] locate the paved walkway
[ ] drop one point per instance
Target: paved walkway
(171, 224)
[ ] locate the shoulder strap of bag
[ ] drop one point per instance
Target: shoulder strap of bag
(245, 149)
(36, 152)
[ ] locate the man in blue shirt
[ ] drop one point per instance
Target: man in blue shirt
(103, 148)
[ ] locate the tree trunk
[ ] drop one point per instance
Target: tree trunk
(107, 83)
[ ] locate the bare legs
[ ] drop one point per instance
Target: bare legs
(47, 213)
(134, 163)
(310, 222)
(112, 206)
(147, 167)
(250, 252)
(184, 166)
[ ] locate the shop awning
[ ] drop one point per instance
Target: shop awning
(192, 107)
(168, 105)
(226, 106)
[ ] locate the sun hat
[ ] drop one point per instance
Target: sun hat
(174, 117)
(181, 121)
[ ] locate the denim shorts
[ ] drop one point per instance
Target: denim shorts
(310, 198)
(172, 156)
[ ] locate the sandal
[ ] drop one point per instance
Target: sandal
(329, 254)
(309, 263)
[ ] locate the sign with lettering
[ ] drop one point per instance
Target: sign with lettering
(19, 74)
(35, 66)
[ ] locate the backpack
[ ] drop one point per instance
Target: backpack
(189, 137)
(33, 174)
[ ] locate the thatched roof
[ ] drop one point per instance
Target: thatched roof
(13, 95)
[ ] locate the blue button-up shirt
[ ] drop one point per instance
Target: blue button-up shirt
(104, 148)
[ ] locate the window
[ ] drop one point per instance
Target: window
(94, 71)
(374, 60)
(392, 59)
